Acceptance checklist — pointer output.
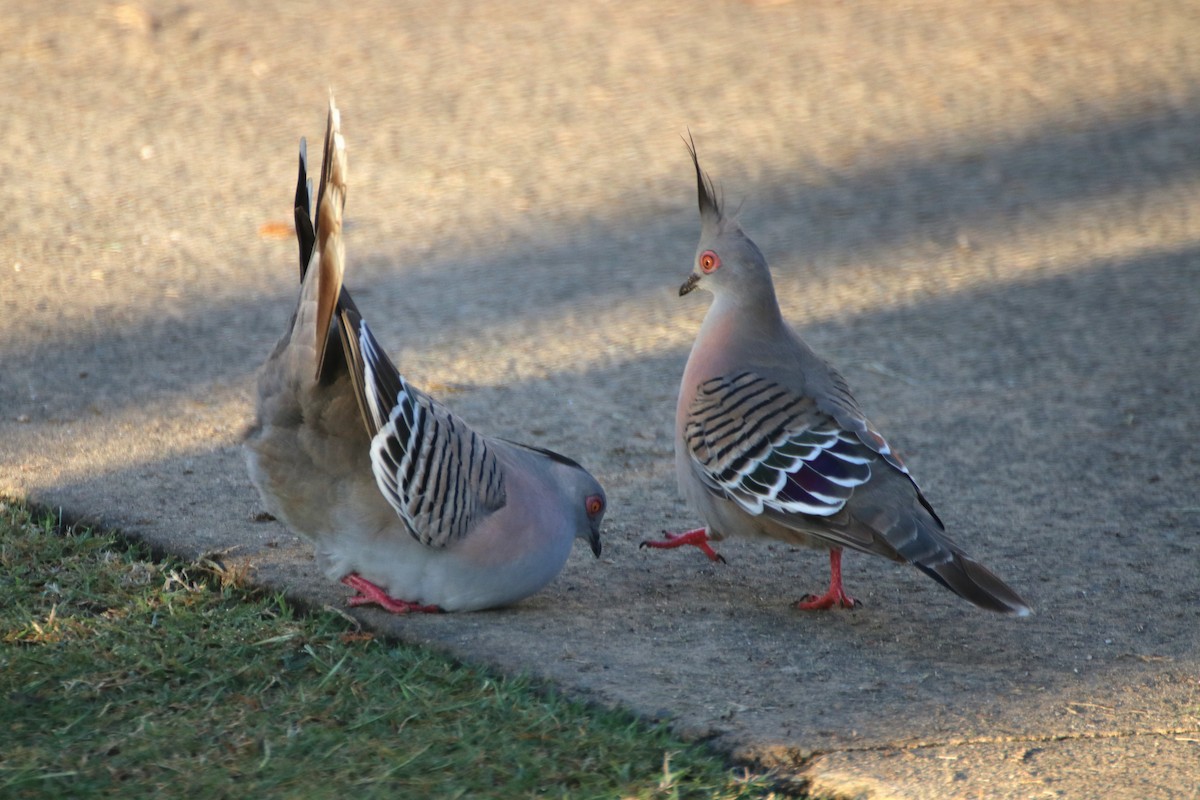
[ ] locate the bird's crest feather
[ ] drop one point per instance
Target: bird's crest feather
(709, 200)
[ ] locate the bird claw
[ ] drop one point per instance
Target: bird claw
(812, 602)
(370, 594)
(697, 538)
(836, 595)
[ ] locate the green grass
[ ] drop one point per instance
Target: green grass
(120, 676)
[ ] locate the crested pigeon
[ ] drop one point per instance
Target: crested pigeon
(403, 502)
(769, 441)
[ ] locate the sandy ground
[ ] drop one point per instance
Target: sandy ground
(987, 214)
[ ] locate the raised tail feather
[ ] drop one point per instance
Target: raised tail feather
(331, 200)
(306, 236)
(319, 237)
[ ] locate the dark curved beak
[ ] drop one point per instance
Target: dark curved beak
(689, 284)
(594, 540)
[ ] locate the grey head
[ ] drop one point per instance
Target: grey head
(583, 493)
(590, 505)
(726, 259)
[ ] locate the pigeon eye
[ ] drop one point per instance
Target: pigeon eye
(594, 505)
(709, 261)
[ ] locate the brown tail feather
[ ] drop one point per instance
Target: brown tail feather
(331, 199)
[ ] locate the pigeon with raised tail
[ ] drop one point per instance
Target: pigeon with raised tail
(403, 502)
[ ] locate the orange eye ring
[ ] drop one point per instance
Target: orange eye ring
(709, 261)
(594, 505)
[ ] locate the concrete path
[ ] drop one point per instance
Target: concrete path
(988, 214)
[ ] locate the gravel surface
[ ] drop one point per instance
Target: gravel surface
(987, 214)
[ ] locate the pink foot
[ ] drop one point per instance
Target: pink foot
(697, 538)
(369, 593)
(836, 596)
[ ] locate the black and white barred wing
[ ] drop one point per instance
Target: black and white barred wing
(437, 473)
(765, 447)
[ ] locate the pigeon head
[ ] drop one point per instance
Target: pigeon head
(585, 495)
(726, 258)
(594, 506)
(590, 505)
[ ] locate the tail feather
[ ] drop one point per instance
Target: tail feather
(929, 548)
(331, 200)
(914, 533)
(321, 245)
(306, 237)
(977, 584)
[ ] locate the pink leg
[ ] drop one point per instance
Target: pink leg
(697, 538)
(836, 595)
(369, 593)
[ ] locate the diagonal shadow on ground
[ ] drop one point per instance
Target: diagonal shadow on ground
(826, 221)
(1048, 422)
